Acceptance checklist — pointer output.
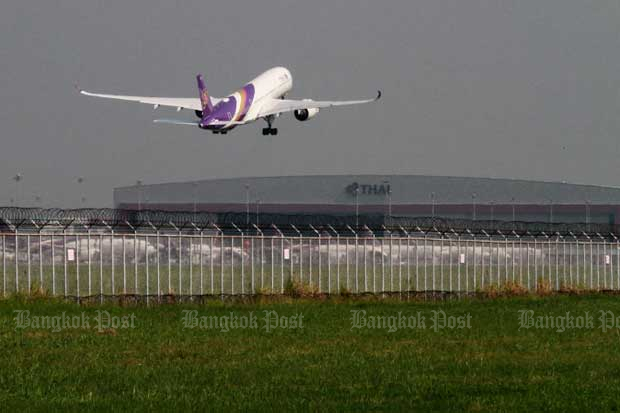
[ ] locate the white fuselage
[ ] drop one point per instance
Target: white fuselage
(275, 83)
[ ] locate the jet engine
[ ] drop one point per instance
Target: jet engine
(305, 114)
(198, 113)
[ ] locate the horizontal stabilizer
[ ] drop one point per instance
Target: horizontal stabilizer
(176, 122)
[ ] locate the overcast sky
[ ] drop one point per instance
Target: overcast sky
(524, 89)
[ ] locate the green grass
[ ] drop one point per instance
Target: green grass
(159, 365)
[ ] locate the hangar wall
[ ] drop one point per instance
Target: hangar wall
(396, 195)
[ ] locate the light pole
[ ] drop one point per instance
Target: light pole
(357, 207)
(551, 211)
(492, 211)
(388, 196)
(512, 200)
(587, 215)
(139, 185)
(433, 205)
(473, 201)
(17, 178)
(194, 186)
(257, 205)
(247, 205)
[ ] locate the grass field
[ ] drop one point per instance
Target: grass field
(326, 365)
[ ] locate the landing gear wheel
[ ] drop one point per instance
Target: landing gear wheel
(269, 130)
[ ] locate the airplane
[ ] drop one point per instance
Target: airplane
(261, 98)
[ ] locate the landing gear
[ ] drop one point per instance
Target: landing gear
(269, 130)
(223, 132)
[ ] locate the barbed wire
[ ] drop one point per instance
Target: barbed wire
(25, 219)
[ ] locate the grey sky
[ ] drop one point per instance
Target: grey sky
(514, 89)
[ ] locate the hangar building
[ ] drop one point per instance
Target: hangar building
(391, 195)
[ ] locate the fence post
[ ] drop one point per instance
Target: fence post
(474, 261)
(527, 260)
(158, 261)
(617, 264)
(392, 260)
(88, 251)
(146, 266)
(366, 257)
(591, 264)
(557, 269)
(598, 263)
(222, 264)
(450, 261)
(272, 267)
(242, 259)
(357, 290)
(570, 258)
(28, 264)
(329, 250)
(262, 247)
(520, 262)
(564, 261)
(77, 268)
(490, 248)
(400, 266)
(3, 265)
(408, 257)
(319, 258)
(383, 264)
(585, 253)
(441, 260)
(346, 254)
(535, 264)
(458, 268)
(611, 256)
(180, 256)
(467, 261)
(424, 263)
(101, 267)
(64, 259)
(112, 261)
(281, 258)
(329, 264)
(201, 263)
(169, 264)
(135, 260)
(124, 266)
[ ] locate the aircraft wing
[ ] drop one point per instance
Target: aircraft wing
(183, 103)
(275, 106)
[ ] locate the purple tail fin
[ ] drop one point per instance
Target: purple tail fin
(205, 100)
